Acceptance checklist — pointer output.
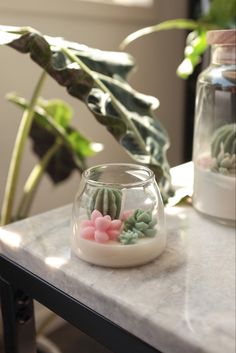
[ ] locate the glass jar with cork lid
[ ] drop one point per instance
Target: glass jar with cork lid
(214, 150)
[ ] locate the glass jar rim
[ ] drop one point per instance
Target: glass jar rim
(87, 174)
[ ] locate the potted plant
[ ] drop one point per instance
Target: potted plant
(98, 79)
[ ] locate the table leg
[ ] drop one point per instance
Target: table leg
(18, 320)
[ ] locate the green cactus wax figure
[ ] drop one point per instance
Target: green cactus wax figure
(223, 149)
(224, 136)
(107, 201)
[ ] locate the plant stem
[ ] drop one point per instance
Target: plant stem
(117, 105)
(33, 181)
(17, 154)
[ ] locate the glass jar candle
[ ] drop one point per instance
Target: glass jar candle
(215, 131)
(118, 216)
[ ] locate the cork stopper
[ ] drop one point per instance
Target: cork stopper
(222, 37)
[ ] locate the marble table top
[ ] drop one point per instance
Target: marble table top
(183, 302)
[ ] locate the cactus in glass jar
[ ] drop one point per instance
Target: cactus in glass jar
(223, 150)
(107, 201)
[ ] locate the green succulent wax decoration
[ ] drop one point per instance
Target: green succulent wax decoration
(223, 149)
(107, 201)
(128, 237)
(140, 225)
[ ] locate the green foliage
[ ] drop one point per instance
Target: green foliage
(107, 201)
(140, 225)
(221, 15)
(180, 23)
(51, 125)
(99, 79)
(196, 45)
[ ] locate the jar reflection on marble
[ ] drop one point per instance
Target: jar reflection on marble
(118, 216)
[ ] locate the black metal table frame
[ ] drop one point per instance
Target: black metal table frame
(18, 288)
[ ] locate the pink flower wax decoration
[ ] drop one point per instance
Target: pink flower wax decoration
(100, 228)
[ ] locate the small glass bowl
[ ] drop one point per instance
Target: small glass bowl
(118, 216)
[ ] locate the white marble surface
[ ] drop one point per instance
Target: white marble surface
(184, 302)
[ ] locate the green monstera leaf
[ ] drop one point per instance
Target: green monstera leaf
(98, 78)
(51, 123)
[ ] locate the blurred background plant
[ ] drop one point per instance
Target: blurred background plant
(215, 14)
(60, 148)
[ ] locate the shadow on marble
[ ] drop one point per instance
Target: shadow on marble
(71, 340)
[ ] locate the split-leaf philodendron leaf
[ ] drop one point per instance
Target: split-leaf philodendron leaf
(98, 78)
